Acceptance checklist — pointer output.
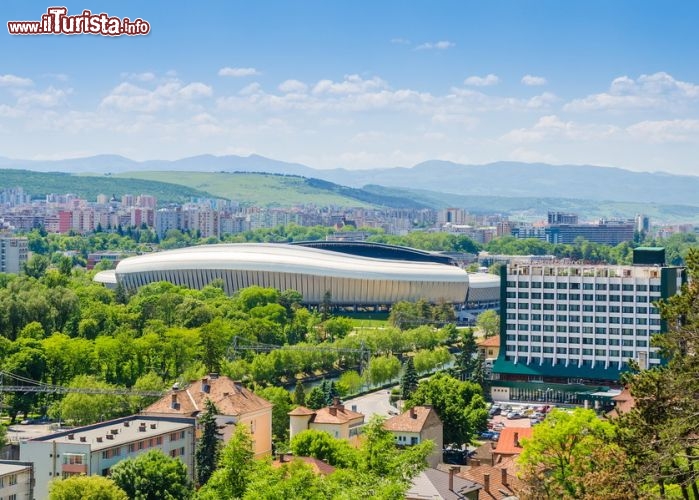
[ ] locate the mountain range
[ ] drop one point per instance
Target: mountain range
(500, 179)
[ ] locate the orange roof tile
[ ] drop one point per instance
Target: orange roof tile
(300, 410)
(510, 438)
(230, 398)
(501, 484)
(493, 341)
(335, 414)
(414, 420)
(318, 466)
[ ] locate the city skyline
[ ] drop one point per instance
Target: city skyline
(362, 85)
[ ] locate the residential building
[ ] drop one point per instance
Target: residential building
(416, 425)
(562, 218)
(509, 443)
(13, 254)
(605, 232)
(16, 480)
(336, 420)
(564, 325)
(488, 348)
(318, 466)
(235, 404)
(433, 483)
(499, 481)
(94, 449)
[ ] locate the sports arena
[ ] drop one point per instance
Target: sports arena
(351, 279)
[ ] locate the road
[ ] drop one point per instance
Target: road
(374, 403)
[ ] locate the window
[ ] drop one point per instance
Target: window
(13, 479)
(599, 341)
(561, 317)
(627, 288)
(561, 307)
(655, 288)
(548, 338)
(561, 329)
(536, 338)
(548, 307)
(574, 296)
(549, 285)
(522, 348)
(523, 295)
(561, 340)
(587, 319)
(523, 327)
(548, 317)
(641, 298)
(627, 321)
(574, 351)
(601, 298)
(601, 286)
(614, 309)
(574, 307)
(575, 286)
(523, 284)
(574, 340)
(574, 329)
(536, 284)
(641, 321)
(511, 295)
(561, 296)
(614, 298)
(613, 341)
(641, 288)
(587, 352)
(548, 296)
(523, 316)
(561, 286)
(536, 307)
(548, 350)
(536, 328)
(588, 308)
(588, 286)
(536, 295)
(627, 298)
(561, 350)
(615, 286)
(588, 296)
(627, 354)
(600, 309)
(600, 352)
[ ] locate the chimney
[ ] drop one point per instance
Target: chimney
(336, 401)
(281, 457)
(452, 471)
(486, 482)
(475, 462)
(354, 408)
(83, 439)
(99, 439)
(503, 478)
(110, 436)
(412, 413)
(205, 384)
(173, 401)
(142, 427)
(71, 436)
(152, 426)
(127, 423)
(517, 439)
(115, 431)
(213, 375)
(333, 411)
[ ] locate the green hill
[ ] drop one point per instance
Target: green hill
(274, 190)
(39, 184)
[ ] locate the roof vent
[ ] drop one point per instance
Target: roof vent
(71, 436)
(110, 436)
(83, 439)
(152, 426)
(99, 439)
(115, 431)
(127, 423)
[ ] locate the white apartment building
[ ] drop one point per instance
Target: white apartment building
(13, 254)
(15, 480)
(94, 449)
(571, 323)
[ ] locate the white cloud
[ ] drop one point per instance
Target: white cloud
(352, 84)
(482, 81)
(129, 97)
(252, 88)
(551, 127)
(14, 81)
(441, 45)
(293, 86)
(237, 72)
(533, 81)
(664, 131)
(657, 91)
(48, 98)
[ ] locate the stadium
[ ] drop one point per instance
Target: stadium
(351, 279)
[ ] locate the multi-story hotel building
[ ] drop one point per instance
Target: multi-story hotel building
(579, 324)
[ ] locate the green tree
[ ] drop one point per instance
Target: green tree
(294, 479)
(235, 468)
(488, 322)
(337, 328)
(321, 445)
(85, 487)
(83, 409)
(3, 436)
(575, 456)
(281, 399)
(350, 382)
(153, 476)
(299, 394)
(466, 358)
(316, 398)
(459, 404)
(208, 446)
(409, 380)
(36, 266)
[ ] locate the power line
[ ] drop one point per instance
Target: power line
(24, 384)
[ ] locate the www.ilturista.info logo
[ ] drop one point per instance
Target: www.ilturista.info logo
(56, 21)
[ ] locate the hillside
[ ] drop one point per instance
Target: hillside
(39, 184)
(535, 208)
(269, 190)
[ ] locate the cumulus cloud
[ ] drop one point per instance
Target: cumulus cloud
(139, 77)
(664, 131)
(657, 91)
(441, 45)
(293, 86)
(14, 81)
(129, 97)
(237, 72)
(482, 81)
(50, 97)
(551, 127)
(352, 84)
(533, 81)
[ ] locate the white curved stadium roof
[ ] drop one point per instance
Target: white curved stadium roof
(291, 259)
(350, 279)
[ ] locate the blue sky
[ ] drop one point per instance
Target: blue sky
(360, 84)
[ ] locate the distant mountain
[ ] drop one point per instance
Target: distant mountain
(507, 179)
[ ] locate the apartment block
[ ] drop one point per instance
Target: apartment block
(16, 480)
(13, 254)
(94, 449)
(568, 323)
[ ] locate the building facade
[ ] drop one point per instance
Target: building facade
(336, 420)
(416, 425)
(570, 324)
(13, 254)
(94, 449)
(16, 480)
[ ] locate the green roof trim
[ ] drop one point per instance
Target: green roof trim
(559, 370)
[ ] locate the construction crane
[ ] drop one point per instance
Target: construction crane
(243, 344)
(9, 382)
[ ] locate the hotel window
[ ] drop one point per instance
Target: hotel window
(574, 340)
(614, 286)
(574, 351)
(613, 341)
(641, 321)
(523, 327)
(548, 338)
(641, 343)
(561, 340)
(627, 321)
(574, 329)
(536, 295)
(522, 348)
(549, 284)
(548, 328)
(536, 348)
(641, 288)
(523, 316)
(627, 298)
(575, 286)
(627, 288)
(536, 338)
(548, 350)
(588, 296)
(548, 307)
(588, 308)
(627, 354)
(561, 329)
(523, 284)
(548, 296)
(561, 286)
(523, 295)
(601, 286)
(523, 338)
(587, 319)
(655, 288)
(600, 341)
(600, 352)
(600, 319)
(627, 310)
(588, 286)
(536, 284)
(574, 296)
(536, 328)
(614, 353)
(536, 307)
(600, 309)
(548, 317)
(601, 298)
(561, 307)
(561, 317)
(561, 296)
(587, 352)
(511, 305)
(587, 329)
(561, 350)
(641, 298)
(574, 307)
(536, 317)
(614, 309)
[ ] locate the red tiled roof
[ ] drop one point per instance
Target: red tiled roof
(341, 415)
(497, 489)
(318, 466)
(300, 410)
(414, 420)
(230, 398)
(510, 438)
(493, 341)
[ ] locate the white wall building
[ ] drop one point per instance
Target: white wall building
(15, 480)
(13, 254)
(94, 449)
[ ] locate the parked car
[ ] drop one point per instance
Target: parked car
(513, 415)
(487, 435)
(495, 410)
